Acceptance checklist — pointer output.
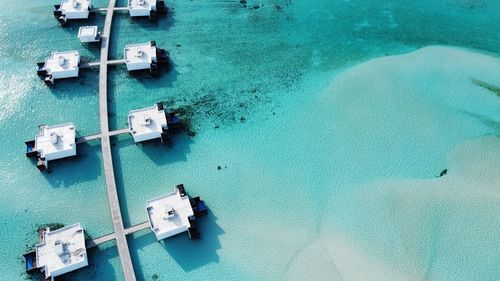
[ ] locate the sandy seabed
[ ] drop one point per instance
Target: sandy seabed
(418, 227)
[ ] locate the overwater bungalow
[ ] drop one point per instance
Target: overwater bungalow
(145, 56)
(72, 9)
(174, 213)
(59, 65)
(152, 123)
(59, 252)
(89, 34)
(146, 8)
(51, 143)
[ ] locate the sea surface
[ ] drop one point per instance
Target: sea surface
(319, 130)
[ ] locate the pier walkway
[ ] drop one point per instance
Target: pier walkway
(115, 62)
(98, 63)
(114, 204)
(119, 132)
(94, 10)
(98, 136)
(137, 227)
(90, 243)
(89, 64)
(88, 138)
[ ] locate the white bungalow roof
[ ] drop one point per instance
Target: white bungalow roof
(139, 124)
(53, 139)
(141, 4)
(62, 250)
(74, 5)
(87, 31)
(140, 53)
(62, 61)
(163, 224)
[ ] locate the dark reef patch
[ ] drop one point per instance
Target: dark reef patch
(469, 4)
(256, 75)
(492, 88)
(444, 172)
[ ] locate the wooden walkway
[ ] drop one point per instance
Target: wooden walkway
(115, 62)
(114, 203)
(137, 227)
(95, 10)
(90, 243)
(98, 136)
(88, 138)
(98, 63)
(119, 132)
(89, 64)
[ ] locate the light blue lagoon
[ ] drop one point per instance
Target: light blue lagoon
(331, 122)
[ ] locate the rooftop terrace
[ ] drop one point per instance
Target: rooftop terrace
(139, 56)
(62, 251)
(73, 6)
(53, 142)
(88, 34)
(63, 64)
(141, 7)
(169, 214)
(147, 123)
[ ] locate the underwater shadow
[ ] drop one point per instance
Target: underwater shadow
(116, 144)
(142, 26)
(119, 76)
(158, 152)
(136, 242)
(165, 78)
(164, 22)
(192, 254)
(84, 167)
(72, 26)
(95, 49)
(87, 84)
(164, 154)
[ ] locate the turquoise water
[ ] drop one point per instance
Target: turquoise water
(330, 174)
